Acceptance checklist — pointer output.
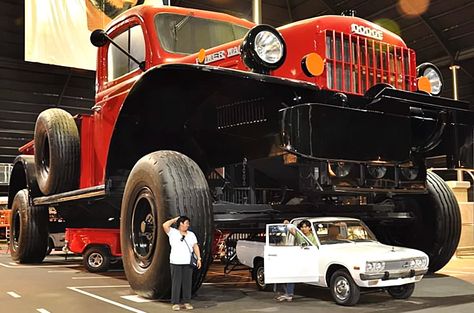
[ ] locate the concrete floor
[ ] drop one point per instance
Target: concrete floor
(64, 286)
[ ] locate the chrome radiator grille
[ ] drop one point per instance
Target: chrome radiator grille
(397, 265)
(354, 64)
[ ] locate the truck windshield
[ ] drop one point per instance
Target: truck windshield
(185, 34)
(342, 231)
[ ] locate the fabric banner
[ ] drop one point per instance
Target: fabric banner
(57, 31)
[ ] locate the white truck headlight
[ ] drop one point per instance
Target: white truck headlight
(419, 263)
(433, 74)
(372, 267)
(263, 49)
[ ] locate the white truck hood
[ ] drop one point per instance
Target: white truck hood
(370, 251)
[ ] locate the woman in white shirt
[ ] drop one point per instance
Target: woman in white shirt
(182, 242)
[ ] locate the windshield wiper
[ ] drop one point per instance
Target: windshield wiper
(179, 24)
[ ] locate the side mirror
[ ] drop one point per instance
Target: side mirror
(99, 38)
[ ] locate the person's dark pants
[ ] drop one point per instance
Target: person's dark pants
(181, 280)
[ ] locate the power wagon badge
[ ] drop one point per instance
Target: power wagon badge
(216, 56)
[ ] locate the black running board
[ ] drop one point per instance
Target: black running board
(79, 194)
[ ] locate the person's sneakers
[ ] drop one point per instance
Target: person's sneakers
(285, 298)
(278, 295)
(175, 307)
(188, 306)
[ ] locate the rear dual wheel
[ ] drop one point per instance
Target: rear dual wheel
(29, 230)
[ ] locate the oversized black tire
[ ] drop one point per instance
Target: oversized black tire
(96, 259)
(56, 152)
(162, 185)
(401, 292)
(29, 230)
(436, 228)
(258, 274)
(343, 288)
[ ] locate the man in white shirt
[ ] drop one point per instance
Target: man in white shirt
(183, 242)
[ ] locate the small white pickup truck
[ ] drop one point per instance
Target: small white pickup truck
(346, 258)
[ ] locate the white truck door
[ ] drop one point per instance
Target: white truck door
(285, 262)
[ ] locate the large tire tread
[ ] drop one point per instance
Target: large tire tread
(179, 188)
(181, 170)
(33, 231)
(448, 222)
(63, 136)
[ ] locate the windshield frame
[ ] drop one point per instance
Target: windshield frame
(185, 18)
(348, 223)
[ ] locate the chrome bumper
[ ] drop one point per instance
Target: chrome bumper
(393, 275)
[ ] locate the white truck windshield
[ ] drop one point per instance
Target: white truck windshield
(342, 231)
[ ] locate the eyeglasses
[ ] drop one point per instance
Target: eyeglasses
(182, 238)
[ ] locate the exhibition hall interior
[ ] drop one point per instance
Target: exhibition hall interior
(236, 156)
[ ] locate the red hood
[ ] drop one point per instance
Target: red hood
(301, 38)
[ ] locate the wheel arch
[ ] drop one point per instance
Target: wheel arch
(256, 261)
(331, 270)
(173, 107)
(96, 245)
(23, 176)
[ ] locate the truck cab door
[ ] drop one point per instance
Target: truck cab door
(287, 260)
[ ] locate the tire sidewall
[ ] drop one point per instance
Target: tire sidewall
(42, 174)
(18, 220)
(28, 221)
(259, 270)
(401, 292)
(141, 280)
(58, 129)
(103, 252)
(354, 291)
(157, 172)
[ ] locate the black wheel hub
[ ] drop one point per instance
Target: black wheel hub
(143, 228)
(15, 232)
(260, 277)
(45, 159)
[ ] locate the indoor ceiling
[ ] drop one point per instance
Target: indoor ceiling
(440, 31)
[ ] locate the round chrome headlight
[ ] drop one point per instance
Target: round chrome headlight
(339, 169)
(369, 267)
(433, 74)
(410, 173)
(379, 266)
(377, 171)
(263, 49)
(268, 47)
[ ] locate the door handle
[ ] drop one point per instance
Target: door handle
(273, 255)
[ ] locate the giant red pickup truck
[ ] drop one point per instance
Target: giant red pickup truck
(234, 125)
